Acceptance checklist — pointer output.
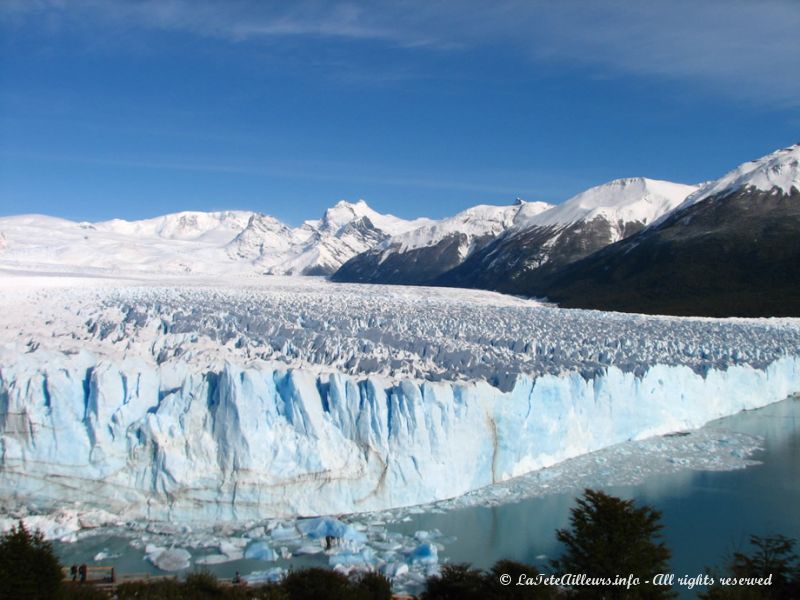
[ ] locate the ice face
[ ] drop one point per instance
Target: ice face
(255, 442)
(157, 403)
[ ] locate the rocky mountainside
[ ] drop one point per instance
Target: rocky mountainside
(422, 255)
(509, 248)
(731, 249)
(517, 261)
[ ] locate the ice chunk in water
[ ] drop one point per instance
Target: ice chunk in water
(172, 559)
(426, 554)
(260, 551)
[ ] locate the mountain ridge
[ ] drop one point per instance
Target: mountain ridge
(537, 239)
(730, 249)
(194, 241)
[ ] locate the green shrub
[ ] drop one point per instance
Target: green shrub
(267, 591)
(201, 585)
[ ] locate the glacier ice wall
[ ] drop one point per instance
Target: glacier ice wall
(170, 441)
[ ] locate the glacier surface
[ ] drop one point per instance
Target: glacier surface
(226, 403)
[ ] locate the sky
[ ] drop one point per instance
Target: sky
(422, 108)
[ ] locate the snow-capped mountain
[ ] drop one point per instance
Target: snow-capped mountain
(176, 243)
(185, 226)
(317, 247)
(215, 242)
(731, 248)
(516, 244)
(421, 255)
(262, 235)
(618, 203)
(778, 173)
(602, 215)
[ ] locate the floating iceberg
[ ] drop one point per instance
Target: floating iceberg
(260, 551)
(169, 559)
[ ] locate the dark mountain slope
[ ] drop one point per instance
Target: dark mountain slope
(736, 253)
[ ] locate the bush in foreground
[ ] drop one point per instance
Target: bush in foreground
(306, 584)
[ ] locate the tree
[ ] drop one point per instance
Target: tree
(29, 568)
(773, 556)
(457, 582)
(372, 586)
(314, 583)
(611, 537)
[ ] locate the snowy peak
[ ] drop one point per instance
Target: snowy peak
(317, 247)
(479, 221)
(344, 213)
(775, 172)
(421, 256)
(261, 235)
(245, 242)
(628, 200)
(528, 211)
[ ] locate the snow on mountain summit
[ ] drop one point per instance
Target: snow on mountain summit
(344, 213)
(636, 199)
(475, 222)
(421, 255)
(779, 170)
(317, 247)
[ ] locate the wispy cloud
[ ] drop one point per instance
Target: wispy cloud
(736, 48)
(330, 171)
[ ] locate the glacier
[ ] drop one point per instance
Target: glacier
(209, 404)
(250, 443)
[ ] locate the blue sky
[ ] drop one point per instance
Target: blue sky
(134, 109)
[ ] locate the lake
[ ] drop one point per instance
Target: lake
(706, 514)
